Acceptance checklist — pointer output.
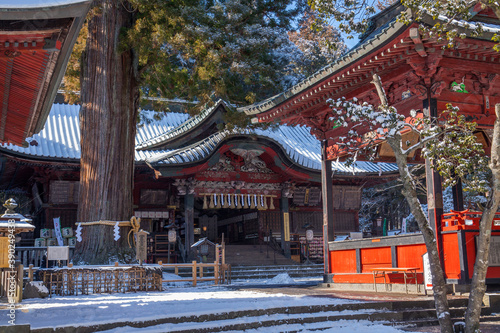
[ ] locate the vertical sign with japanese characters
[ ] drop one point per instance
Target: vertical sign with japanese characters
(57, 230)
(141, 245)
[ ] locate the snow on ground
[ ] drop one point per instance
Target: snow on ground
(180, 299)
(282, 278)
(86, 310)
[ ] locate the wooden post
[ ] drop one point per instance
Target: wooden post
(216, 264)
(285, 226)
(19, 285)
(189, 220)
(116, 264)
(223, 250)
(176, 270)
(160, 262)
(30, 273)
(194, 273)
(201, 271)
(434, 189)
(216, 272)
(326, 188)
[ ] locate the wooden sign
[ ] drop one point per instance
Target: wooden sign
(64, 192)
(4, 252)
(58, 253)
(141, 248)
(286, 226)
(494, 256)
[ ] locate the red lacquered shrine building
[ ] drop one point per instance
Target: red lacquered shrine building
(417, 73)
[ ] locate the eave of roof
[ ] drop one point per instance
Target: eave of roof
(28, 105)
(301, 148)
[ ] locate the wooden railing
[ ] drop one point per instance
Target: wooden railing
(221, 272)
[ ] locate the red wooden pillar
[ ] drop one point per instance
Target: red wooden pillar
(327, 193)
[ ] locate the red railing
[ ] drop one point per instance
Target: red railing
(465, 220)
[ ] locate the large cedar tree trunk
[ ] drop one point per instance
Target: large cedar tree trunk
(109, 95)
(478, 285)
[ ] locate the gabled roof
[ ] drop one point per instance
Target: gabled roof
(297, 143)
(59, 141)
(36, 40)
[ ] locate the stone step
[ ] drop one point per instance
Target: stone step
(264, 272)
(393, 312)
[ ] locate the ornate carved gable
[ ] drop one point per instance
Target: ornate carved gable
(242, 160)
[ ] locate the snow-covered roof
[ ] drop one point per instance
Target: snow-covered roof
(188, 124)
(60, 140)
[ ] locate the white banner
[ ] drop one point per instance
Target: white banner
(403, 226)
(427, 272)
(57, 230)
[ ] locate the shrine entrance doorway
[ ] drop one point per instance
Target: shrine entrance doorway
(238, 226)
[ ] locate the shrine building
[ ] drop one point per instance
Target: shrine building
(418, 73)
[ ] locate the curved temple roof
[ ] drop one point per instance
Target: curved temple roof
(36, 39)
(60, 141)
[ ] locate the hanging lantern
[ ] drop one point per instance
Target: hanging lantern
(247, 201)
(205, 204)
(225, 203)
(271, 205)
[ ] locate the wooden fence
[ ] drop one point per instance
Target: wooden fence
(221, 273)
(12, 278)
(95, 280)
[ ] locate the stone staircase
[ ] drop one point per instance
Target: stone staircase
(270, 271)
(249, 262)
(255, 255)
(296, 318)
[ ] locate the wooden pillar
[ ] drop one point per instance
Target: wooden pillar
(327, 198)
(189, 220)
(285, 219)
(458, 196)
(433, 183)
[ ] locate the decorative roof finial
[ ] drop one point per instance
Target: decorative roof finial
(10, 204)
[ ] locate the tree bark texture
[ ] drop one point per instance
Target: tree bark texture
(438, 281)
(478, 285)
(109, 94)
